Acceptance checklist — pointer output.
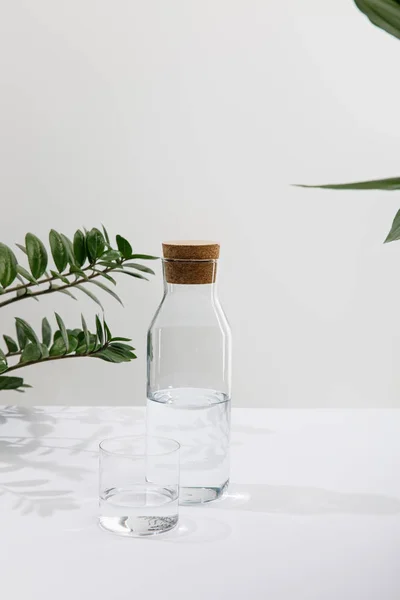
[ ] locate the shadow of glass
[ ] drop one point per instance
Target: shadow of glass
(202, 530)
(304, 500)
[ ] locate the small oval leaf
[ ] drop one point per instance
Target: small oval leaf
(8, 265)
(58, 250)
(79, 248)
(124, 246)
(95, 244)
(37, 255)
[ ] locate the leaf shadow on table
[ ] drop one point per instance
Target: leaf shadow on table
(40, 451)
(304, 500)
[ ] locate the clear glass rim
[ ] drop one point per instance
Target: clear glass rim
(137, 438)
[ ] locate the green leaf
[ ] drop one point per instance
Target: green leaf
(120, 339)
(27, 329)
(37, 255)
(10, 383)
(58, 250)
(44, 350)
(2, 356)
(63, 278)
(26, 274)
(139, 268)
(107, 237)
(21, 247)
(122, 347)
(107, 331)
(111, 255)
(86, 332)
(12, 346)
(59, 348)
(95, 244)
(106, 289)
(131, 274)
(100, 332)
(82, 348)
(106, 276)
(79, 248)
(393, 183)
(76, 271)
(46, 332)
(67, 293)
(143, 257)
(8, 265)
(394, 233)
(21, 336)
(68, 249)
(75, 332)
(92, 296)
(124, 246)
(3, 367)
(31, 353)
(63, 330)
(111, 356)
(107, 263)
(385, 14)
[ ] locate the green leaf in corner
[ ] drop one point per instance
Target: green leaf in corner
(21, 247)
(12, 346)
(31, 353)
(106, 236)
(68, 249)
(44, 350)
(95, 244)
(28, 331)
(393, 183)
(124, 246)
(58, 250)
(3, 367)
(92, 296)
(2, 356)
(63, 329)
(143, 257)
(106, 289)
(86, 332)
(99, 330)
(8, 265)
(139, 268)
(63, 278)
(107, 331)
(385, 14)
(10, 383)
(111, 255)
(131, 274)
(21, 336)
(79, 248)
(46, 332)
(24, 273)
(394, 233)
(37, 255)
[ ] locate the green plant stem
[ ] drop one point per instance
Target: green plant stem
(50, 358)
(24, 286)
(50, 290)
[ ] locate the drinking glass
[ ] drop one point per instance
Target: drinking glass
(139, 485)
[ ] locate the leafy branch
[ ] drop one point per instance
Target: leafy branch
(87, 258)
(66, 343)
(79, 263)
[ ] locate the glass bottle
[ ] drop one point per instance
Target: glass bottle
(189, 370)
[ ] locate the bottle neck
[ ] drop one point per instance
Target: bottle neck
(192, 292)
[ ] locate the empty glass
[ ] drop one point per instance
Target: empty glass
(139, 485)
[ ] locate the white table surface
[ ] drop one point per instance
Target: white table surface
(312, 513)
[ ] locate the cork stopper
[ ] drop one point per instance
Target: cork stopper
(190, 262)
